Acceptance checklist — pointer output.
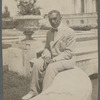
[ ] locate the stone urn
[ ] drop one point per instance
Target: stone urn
(28, 24)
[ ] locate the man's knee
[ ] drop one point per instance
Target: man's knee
(38, 64)
(51, 68)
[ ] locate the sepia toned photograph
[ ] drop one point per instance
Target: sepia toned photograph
(50, 49)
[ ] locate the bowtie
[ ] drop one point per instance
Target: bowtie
(55, 30)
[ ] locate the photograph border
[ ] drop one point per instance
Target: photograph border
(98, 50)
(1, 66)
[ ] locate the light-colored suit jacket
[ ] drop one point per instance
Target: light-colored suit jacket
(62, 46)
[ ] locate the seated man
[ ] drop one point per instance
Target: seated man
(57, 56)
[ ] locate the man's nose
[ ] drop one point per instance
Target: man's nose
(53, 21)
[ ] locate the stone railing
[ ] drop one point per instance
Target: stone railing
(84, 21)
(87, 52)
(77, 15)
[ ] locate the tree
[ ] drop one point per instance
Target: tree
(6, 13)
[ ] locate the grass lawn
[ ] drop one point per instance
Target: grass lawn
(16, 86)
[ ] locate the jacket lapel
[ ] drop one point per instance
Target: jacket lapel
(57, 38)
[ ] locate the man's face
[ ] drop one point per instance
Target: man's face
(54, 19)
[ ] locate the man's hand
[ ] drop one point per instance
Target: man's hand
(46, 62)
(46, 53)
(49, 60)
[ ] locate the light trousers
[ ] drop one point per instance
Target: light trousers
(41, 79)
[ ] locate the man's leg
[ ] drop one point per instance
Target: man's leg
(53, 69)
(37, 74)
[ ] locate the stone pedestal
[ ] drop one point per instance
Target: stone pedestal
(20, 54)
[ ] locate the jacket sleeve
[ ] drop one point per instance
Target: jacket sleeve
(68, 46)
(47, 42)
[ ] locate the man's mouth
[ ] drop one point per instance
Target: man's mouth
(54, 24)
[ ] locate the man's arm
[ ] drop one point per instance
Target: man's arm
(69, 49)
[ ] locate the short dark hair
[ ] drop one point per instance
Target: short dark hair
(54, 11)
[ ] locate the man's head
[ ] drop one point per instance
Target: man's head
(54, 18)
